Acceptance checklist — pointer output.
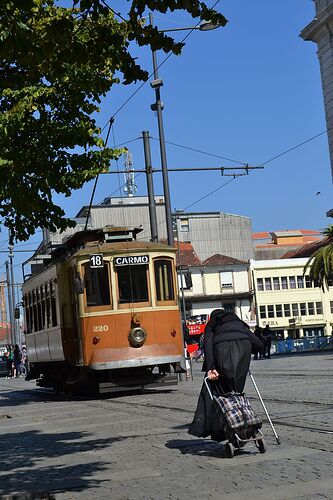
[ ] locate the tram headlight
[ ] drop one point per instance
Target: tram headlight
(137, 336)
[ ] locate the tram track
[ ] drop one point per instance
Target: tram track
(105, 401)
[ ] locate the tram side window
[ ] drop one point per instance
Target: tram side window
(132, 284)
(97, 286)
(53, 304)
(48, 304)
(34, 308)
(27, 313)
(164, 280)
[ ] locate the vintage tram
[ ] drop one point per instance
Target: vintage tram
(102, 313)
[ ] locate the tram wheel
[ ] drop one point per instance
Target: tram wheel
(229, 450)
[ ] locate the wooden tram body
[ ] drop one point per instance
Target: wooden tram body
(104, 314)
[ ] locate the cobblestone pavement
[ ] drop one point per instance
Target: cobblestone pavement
(137, 447)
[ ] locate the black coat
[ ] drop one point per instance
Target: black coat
(227, 348)
(224, 326)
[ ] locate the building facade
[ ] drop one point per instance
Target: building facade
(218, 282)
(320, 31)
(208, 232)
(288, 302)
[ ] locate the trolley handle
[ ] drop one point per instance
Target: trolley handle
(208, 388)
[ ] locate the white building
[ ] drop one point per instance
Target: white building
(288, 301)
(217, 282)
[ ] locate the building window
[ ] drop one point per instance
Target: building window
(284, 283)
(331, 306)
(184, 225)
(262, 311)
(260, 284)
(319, 308)
(286, 309)
(300, 282)
(303, 308)
(295, 309)
(278, 310)
(229, 307)
(270, 311)
(311, 310)
(226, 279)
(292, 282)
(308, 282)
(276, 283)
(268, 284)
(185, 279)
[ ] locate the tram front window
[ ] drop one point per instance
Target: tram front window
(132, 284)
(97, 286)
(164, 281)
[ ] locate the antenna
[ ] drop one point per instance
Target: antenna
(131, 188)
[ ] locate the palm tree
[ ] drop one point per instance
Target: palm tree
(321, 262)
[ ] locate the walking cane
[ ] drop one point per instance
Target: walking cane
(278, 440)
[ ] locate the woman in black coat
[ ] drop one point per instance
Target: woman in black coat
(228, 345)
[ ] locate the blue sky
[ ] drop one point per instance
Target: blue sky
(247, 92)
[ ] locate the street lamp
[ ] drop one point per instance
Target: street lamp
(156, 84)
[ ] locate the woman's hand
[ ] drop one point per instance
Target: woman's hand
(212, 374)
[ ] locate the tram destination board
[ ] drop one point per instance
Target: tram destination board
(131, 260)
(96, 261)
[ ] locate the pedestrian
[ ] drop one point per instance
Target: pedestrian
(200, 352)
(267, 336)
(9, 361)
(228, 344)
(256, 351)
(24, 361)
(17, 360)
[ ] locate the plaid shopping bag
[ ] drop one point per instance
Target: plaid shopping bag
(237, 414)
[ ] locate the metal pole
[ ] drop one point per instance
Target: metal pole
(11, 255)
(278, 440)
(10, 307)
(181, 274)
(150, 187)
(156, 84)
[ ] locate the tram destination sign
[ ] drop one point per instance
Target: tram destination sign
(131, 260)
(96, 261)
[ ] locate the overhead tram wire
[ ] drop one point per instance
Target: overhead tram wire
(152, 74)
(97, 177)
(295, 147)
(189, 148)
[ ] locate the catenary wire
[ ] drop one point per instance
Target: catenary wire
(295, 147)
(201, 151)
(152, 74)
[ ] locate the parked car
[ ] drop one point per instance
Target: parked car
(3, 366)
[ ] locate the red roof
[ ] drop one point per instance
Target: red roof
(187, 257)
(308, 249)
(305, 232)
(221, 260)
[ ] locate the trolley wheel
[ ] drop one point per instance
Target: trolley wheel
(261, 445)
(229, 450)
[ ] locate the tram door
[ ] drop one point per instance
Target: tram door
(76, 341)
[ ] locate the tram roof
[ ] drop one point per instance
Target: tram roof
(123, 247)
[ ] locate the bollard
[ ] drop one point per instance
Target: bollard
(188, 368)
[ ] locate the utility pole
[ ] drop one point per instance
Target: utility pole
(156, 84)
(11, 256)
(10, 307)
(183, 306)
(150, 187)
